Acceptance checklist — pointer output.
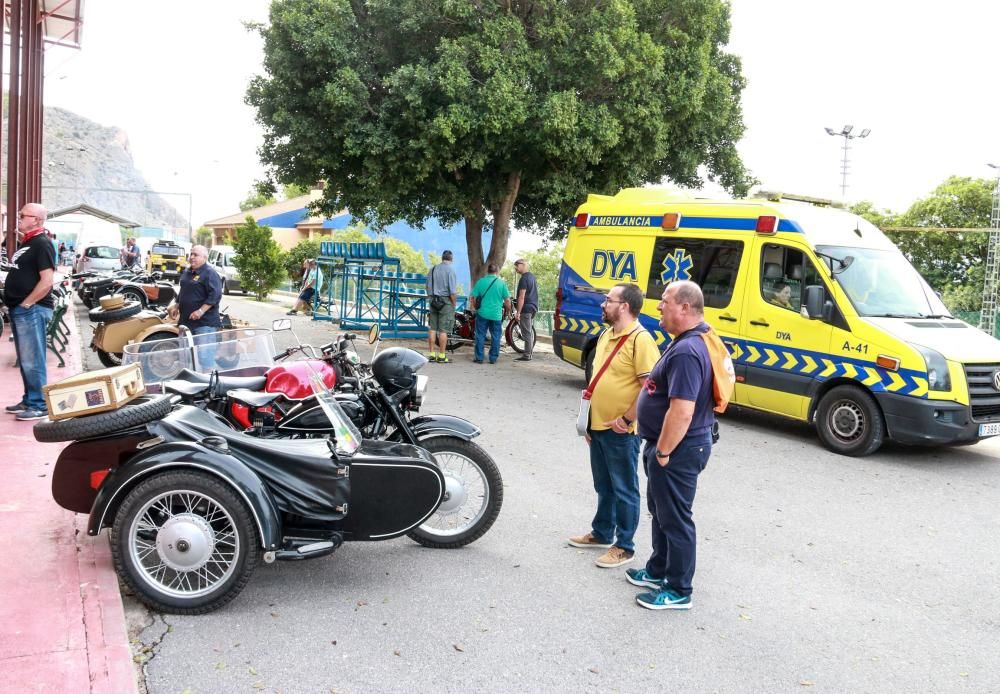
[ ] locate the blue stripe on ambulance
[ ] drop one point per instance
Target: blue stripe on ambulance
(724, 223)
(582, 317)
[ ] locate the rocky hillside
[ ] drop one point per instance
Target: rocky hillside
(85, 162)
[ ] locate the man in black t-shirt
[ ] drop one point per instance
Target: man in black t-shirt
(28, 296)
(526, 308)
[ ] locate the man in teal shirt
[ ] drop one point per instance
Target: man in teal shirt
(491, 299)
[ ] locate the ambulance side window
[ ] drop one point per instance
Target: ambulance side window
(784, 274)
(713, 264)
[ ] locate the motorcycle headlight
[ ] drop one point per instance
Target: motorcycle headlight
(419, 389)
(938, 377)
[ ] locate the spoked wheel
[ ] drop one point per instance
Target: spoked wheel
(109, 359)
(185, 542)
(473, 494)
(513, 336)
(162, 356)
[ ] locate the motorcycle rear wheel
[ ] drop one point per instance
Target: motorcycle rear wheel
(109, 359)
(473, 496)
(184, 542)
(514, 337)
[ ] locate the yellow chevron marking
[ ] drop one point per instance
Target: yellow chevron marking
(771, 357)
(850, 371)
(873, 376)
(895, 382)
(597, 328)
(735, 350)
(830, 368)
(921, 388)
(790, 361)
(573, 325)
(660, 337)
(809, 364)
(754, 354)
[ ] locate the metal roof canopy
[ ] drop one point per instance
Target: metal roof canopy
(84, 208)
(30, 25)
(61, 20)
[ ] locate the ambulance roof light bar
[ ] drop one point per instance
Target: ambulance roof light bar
(778, 196)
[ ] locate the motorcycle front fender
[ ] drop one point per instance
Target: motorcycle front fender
(188, 456)
(431, 425)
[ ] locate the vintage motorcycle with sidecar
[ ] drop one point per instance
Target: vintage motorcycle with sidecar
(194, 505)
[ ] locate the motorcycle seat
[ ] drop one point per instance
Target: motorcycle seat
(226, 383)
(253, 398)
(185, 388)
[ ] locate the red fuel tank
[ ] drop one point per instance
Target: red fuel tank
(292, 378)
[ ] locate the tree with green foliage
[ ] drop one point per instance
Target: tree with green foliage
(953, 263)
(259, 259)
(255, 199)
(544, 264)
(203, 236)
(495, 113)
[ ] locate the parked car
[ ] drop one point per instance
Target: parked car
(98, 258)
(221, 258)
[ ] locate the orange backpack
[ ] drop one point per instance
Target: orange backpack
(723, 374)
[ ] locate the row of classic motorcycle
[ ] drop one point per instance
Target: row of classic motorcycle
(203, 481)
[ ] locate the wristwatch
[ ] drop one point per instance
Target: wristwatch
(660, 454)
(628, 422)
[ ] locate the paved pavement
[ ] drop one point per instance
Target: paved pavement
(62, 627)
(816, 573)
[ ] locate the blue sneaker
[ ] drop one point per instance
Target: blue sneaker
(29, 414)
(665, 599)
(642, 578)
(16, 407)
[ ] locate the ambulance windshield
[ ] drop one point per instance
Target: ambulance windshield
(882, 283)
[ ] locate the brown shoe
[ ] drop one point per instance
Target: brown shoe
(615, 556)
(588, 540)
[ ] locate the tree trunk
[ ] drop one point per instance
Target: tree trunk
(501, 230)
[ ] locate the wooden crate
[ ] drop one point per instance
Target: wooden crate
(94, 391)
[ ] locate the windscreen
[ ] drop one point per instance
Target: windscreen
(881, 283)
(105, 252)
(166, 249)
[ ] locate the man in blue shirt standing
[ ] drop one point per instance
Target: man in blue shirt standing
(197, 304)
(676, 416)
(442, 297)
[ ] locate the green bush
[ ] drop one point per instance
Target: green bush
(260, 260)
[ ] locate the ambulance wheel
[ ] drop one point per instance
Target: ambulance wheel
(849, 422)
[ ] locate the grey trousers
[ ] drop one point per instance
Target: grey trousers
(527, 325)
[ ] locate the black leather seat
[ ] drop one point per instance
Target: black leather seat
(226, 383)
(253, 398)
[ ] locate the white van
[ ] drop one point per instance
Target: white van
(97, 258)
(221, 258)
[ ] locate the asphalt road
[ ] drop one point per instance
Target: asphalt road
(816, 573)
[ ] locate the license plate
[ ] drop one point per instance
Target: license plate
(989, 429)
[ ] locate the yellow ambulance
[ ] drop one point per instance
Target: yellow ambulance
(825, 319)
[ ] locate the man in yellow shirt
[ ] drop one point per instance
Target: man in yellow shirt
(614, 446)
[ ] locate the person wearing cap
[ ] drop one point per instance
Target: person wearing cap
(442, 297)
(312, 282)
(527, 307)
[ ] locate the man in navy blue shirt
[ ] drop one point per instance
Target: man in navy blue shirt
(197, 305)
(676, 416)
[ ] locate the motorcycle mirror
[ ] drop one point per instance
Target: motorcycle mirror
(281, 324)
(373, 333)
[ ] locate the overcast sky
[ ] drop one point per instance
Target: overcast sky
(173, 76)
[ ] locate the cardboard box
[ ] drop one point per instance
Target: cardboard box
(94, 391)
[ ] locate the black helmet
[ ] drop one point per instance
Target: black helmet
(396, 368)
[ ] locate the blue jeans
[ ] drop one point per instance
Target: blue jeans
(205, 347)
(494, 327)
(614, 460)
(28, 325)
(670, 496)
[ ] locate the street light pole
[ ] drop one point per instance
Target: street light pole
(846, 133)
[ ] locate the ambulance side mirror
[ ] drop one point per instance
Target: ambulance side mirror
(817, 305)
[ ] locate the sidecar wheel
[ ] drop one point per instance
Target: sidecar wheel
(184, 542)
(474, 494)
